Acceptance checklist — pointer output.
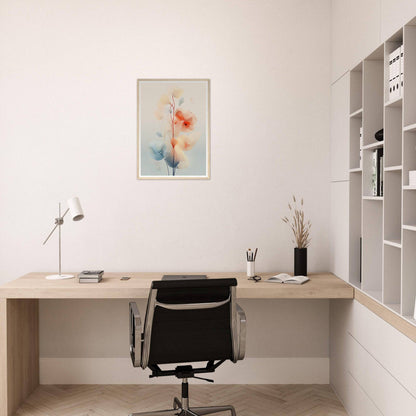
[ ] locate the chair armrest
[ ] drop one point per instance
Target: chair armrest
(241, 330)
(135, 329)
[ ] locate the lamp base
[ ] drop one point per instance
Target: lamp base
(59, 276)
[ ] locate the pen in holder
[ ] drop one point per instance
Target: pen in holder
(251, 262)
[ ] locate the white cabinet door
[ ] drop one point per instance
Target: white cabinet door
(355, 32)
(371, 362)
(394, 14)
(339, 222)
(340, 92)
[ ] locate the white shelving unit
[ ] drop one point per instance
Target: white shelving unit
(384, 227)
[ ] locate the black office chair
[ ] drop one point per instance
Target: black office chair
(188, 321)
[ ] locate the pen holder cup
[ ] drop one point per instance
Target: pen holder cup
(251, 268)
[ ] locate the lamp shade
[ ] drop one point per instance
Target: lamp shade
(75, 209)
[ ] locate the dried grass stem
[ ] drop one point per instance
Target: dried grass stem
(300, 227)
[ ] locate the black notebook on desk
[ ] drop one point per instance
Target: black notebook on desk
(184, 276)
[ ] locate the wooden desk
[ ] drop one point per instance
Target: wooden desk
(19, 315)
(35, 286)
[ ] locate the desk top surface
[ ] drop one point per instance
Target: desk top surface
(35, 286)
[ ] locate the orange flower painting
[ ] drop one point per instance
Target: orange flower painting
(173, 129)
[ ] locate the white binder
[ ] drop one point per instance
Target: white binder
(394, 74)
(401, 69)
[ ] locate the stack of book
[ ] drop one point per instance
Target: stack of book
(91, 276)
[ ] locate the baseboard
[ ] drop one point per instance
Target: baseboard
(249, 371)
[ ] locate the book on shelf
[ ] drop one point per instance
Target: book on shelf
(395, 73)
(377, 167)
(361, 147)
(374, 173)
(380, 155)
(401, 69)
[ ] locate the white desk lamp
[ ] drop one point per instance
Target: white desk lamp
(75, 210)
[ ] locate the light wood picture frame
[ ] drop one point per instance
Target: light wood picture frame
(173, 129)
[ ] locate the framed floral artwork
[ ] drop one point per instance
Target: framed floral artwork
(173, 126)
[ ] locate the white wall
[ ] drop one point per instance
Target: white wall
(68, 127)
(287, 342)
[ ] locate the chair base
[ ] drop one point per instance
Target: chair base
(180, 410)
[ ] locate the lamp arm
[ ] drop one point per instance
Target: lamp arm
(58, 221)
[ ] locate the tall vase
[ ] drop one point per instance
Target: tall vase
(301, 261)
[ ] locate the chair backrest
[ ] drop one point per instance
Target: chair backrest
(190, 320)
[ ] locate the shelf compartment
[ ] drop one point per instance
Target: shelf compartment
(373, 95)
(355, 215)
(373, 146)
(392, 274)
(409, 206)
(408, 291)
(355, 125)
(393, 136)
(368, 154)
(390, 46)
(356, 89)
(409, 155)
(392, 205)
(372, 246)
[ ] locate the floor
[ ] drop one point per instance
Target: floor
(120, 400)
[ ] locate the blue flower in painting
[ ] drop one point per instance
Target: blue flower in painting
(157, 149)
(171, 160)
(176, 158)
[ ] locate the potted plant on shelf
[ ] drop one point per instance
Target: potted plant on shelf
(301, 236)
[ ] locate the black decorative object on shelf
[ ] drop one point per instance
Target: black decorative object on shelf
(379, 136)
(301, 261)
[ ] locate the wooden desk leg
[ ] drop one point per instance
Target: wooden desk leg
(19, 352)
